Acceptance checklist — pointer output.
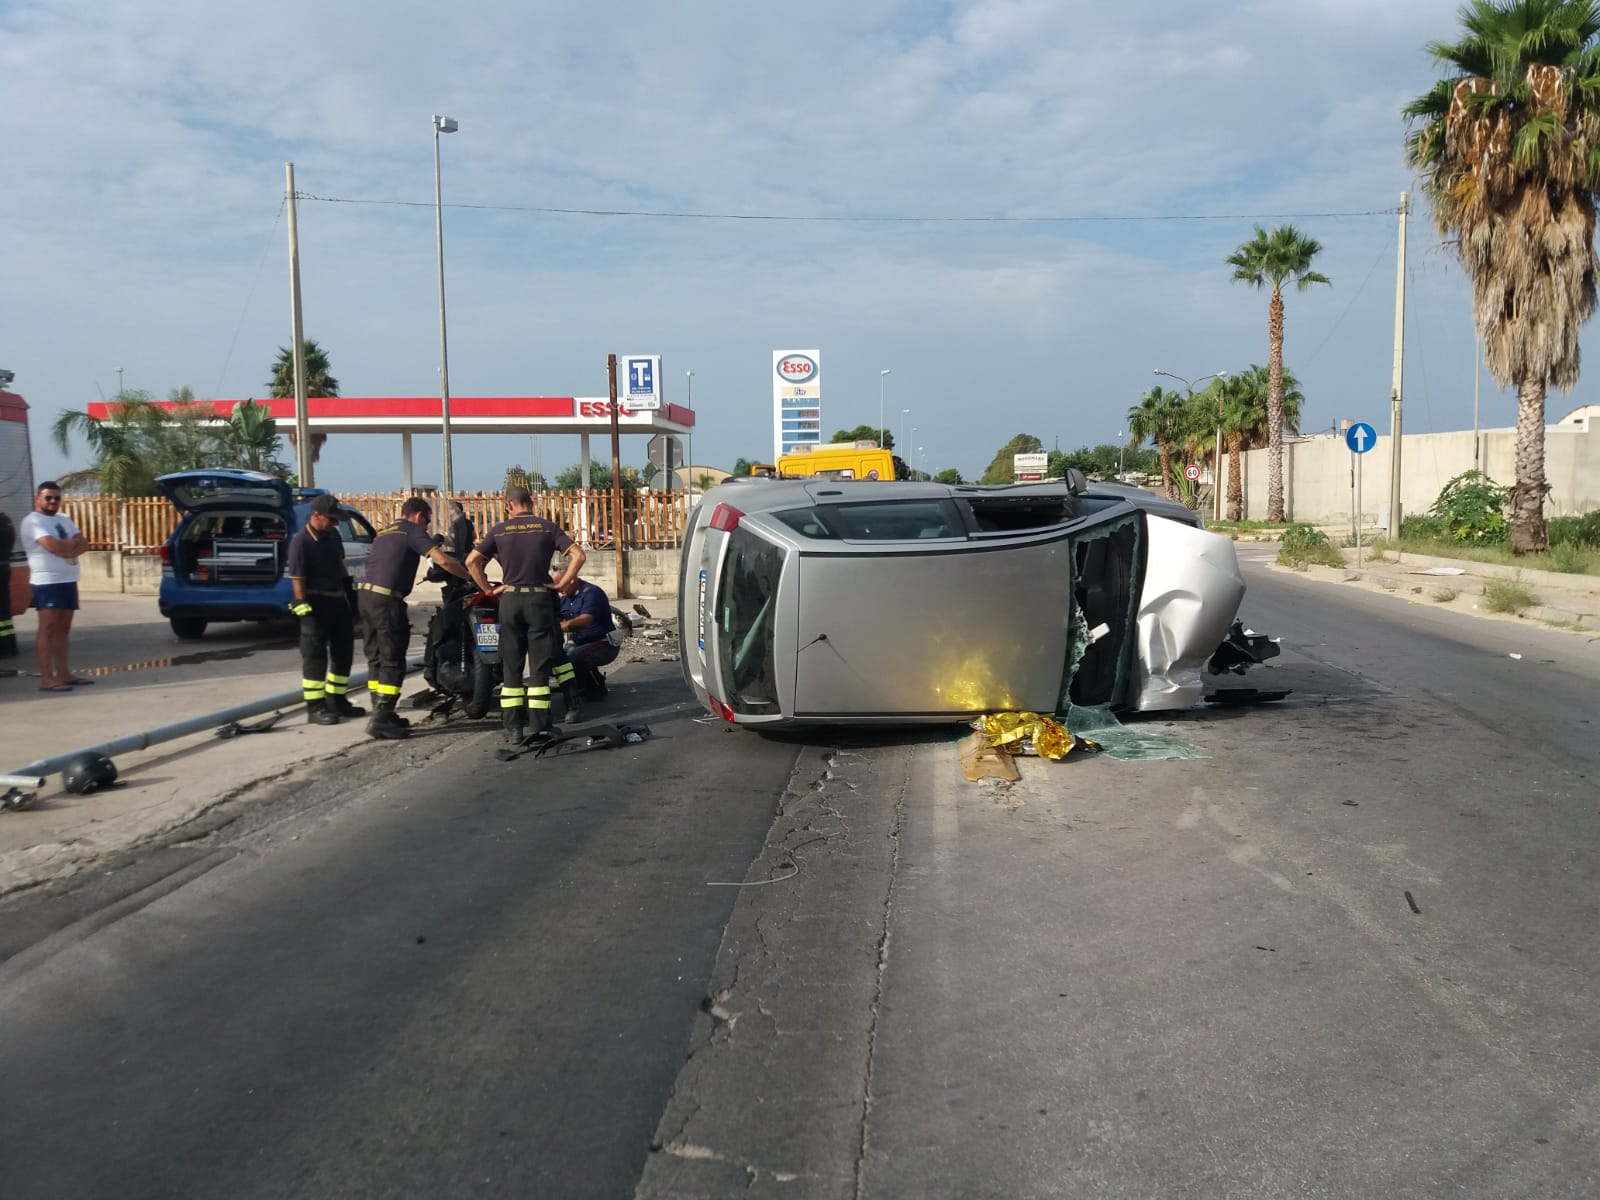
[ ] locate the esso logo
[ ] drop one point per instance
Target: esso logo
(796, 368)
(601, 408)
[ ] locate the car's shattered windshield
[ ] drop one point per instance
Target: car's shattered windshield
(745, 602)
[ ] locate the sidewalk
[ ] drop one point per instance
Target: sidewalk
(1560, 600)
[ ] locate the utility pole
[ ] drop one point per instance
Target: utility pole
(616, 478)
(1395, 425)
(1477, 374)
(304, 469)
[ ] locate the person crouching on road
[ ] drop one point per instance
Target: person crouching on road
(381, 600)
(322, 602)
(525, 545)
(586, 619)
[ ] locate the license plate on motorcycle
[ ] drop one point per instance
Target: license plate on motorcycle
(488, 636)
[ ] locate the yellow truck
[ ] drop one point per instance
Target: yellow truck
(840, 460)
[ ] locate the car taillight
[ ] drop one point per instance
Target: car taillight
(721, 709)
(726, 518)
(166, 555)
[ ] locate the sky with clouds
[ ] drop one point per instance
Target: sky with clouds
(145, 148)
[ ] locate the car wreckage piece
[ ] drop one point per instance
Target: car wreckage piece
(894, 603)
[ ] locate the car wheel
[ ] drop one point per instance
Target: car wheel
(189, 628)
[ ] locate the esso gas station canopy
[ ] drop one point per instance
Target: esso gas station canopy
(407, 415)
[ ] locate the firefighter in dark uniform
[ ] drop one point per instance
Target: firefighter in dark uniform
(525, 545)
(322, 602)
(381, 604)
(8, 632)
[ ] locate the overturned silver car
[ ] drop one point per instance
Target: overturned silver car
(901, 603)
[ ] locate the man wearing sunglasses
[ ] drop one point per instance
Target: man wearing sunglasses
(53, 544)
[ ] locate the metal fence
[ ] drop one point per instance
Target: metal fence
(651, 520)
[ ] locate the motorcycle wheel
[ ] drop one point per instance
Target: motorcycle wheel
(476, 706)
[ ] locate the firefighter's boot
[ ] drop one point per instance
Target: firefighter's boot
(386, 722)
(318, 713)
(571, 703)
(345, 707)
(8, 636)
(514, 725)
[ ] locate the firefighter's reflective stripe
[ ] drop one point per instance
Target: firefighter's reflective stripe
(538, 697)
(6, 627)
(338, 685)
(511, 697)
(565, 673)
(382, 689)
(312, 689)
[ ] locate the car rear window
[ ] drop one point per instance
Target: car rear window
(746, 623)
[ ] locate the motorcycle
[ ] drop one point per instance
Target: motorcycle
(461, 658)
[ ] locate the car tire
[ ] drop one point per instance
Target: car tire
(189, 628)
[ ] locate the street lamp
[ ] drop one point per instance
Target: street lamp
(689, 440)
(1122, 435)
(447, 477)
(881, 376)
(904, 413)
(1216, 471)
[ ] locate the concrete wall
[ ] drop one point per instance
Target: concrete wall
(1317, 473)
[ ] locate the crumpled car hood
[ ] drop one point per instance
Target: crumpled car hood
(1191, 593)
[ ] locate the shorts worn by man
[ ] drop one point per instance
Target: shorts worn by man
(524, 545)
(322, 602)
(587, 621)
(381, 600)
(8, 543)
(53, 545)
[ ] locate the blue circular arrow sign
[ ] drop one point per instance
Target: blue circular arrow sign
(1360, 437)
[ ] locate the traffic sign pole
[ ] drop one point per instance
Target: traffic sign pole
(1360, 438)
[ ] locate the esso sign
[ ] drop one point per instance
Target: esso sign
(796, 368)
(601, 408)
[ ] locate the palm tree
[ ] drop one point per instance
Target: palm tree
(250, 439)
(137, 441)
(1276, 258)
(1242, 415)
(1508, 148)
(319, 382)
(1155, 419)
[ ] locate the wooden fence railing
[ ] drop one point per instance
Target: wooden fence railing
(652, 520)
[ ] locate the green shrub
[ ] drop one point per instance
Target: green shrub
(1306, 544)
(1424, 529)
(1575, 531)
(1472, 508)
(1507, 596)
(1445, 595)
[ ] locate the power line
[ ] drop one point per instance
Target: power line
(841, 220)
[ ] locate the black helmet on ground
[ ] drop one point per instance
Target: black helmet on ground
(85, 772)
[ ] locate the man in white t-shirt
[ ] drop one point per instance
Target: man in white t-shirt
(53, 544)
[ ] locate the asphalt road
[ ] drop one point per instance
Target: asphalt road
(459, 977)
(1350, 952)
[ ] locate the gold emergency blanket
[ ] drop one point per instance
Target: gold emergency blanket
(1029, 733)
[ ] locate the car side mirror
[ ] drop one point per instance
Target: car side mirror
(1076, 483)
